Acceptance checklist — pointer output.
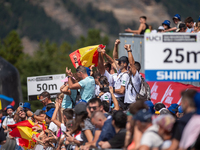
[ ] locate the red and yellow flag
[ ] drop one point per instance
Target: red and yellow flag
(24, 131)
(86, 56)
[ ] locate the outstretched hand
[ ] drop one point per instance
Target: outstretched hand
(68, 72)
(128, 30)
(127, 47)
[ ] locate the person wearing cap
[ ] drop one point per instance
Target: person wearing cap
(86, 85)
(166, 24)
(9, 118)
(150, 138)
(188, 107)
(69, 99)
(52, 125)
(120, 80)
(189, 22)
(165, 123)
(179, 112)
(172, 109)
(27, 106)
(143, 26)
(176, 19)
(134, 78)
(160, 29)
(81, 117)
(150, 106)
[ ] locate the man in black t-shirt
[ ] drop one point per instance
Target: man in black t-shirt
(188, 107)
(119, 123)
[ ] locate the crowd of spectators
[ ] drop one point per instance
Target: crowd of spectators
(188, 25)
(97, 107)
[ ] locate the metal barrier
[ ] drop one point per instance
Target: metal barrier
(137, 44)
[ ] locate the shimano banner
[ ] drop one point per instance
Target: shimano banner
(172, 57)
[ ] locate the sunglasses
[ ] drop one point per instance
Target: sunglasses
(20, 111)
(94, 108)
(42, 99)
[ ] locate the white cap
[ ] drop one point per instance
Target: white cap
(161, 28)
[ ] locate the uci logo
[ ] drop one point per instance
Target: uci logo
(153, 38)
(32, 79)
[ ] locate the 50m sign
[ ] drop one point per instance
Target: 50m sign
(50, 83)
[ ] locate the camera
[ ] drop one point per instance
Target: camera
(105, 89)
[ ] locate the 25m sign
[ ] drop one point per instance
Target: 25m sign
(176, 57)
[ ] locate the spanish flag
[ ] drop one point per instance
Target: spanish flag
(86, 56)
(24, 131)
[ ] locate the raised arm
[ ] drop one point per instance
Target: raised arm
(130, 58)
(53, 119)
(115, 50)
(101, 66)
(71, 85)
(116, 104)
(111, 61)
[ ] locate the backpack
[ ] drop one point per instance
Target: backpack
(144, 92)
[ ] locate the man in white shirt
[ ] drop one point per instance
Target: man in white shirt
(120, 80)
(134, 80)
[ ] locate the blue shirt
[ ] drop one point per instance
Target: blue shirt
(67, 103)
(107, 132)
(87, 90)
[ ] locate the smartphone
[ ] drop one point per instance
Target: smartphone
(21, 104)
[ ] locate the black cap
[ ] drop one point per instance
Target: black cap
(123, 59)
(80, 108)
(143, 115)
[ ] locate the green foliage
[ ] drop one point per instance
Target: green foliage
(11, 48)
(50, 58)
(31, 21)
